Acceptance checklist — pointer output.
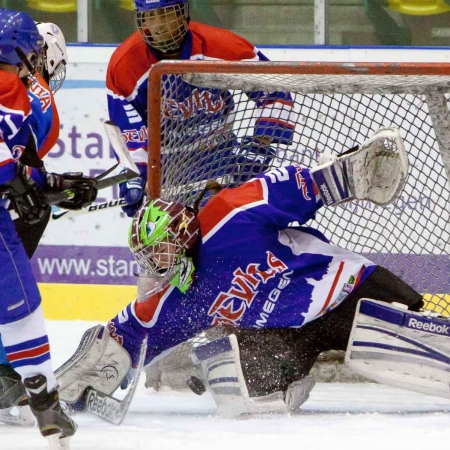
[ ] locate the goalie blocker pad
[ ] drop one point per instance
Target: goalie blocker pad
(375, 172)
(99, 362)
(400, 348)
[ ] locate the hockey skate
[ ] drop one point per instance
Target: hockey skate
(14, 409)
(53, 423)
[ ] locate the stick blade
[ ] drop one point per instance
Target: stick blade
(116, 139)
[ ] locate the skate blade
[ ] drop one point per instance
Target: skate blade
(18, 416)
(57, 443)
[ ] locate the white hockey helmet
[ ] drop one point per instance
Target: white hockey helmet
(52, 64)
(163, 24)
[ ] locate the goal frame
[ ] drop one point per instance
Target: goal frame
(290, 68)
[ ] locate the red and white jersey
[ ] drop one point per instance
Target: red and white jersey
(127, 87)
(15, 109)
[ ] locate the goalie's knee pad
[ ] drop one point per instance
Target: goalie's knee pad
(222, 371)
(99, 362)
(394, 346)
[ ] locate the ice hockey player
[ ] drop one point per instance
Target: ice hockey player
(24, 183)
(285, 294)
(166, 32)
(44, 122)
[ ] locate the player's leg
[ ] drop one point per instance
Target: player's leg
(24, 336)
(12, 390)
(289, 354)
(253, 371)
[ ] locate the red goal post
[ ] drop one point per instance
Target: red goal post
(337, 105)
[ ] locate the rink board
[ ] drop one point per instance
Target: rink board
(96, 282)
(84, 302)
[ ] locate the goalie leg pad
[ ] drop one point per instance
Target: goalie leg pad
(223, 373)
(401, 348)
(99, 362)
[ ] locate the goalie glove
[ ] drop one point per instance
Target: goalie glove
(376, 171)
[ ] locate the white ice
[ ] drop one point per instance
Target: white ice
(336, 417)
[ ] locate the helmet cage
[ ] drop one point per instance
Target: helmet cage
(158, 263)
(170, 30)
(53, 59)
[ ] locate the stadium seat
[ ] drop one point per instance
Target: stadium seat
(60, 6)
(127, 4)
(419, 7)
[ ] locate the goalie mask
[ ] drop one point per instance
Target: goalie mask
(163, 24)
(160, 235)
(19, 40)
(53, 59)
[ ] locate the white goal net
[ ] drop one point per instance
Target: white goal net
(198, 106)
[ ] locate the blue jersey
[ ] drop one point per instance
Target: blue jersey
(20, 294)
(44, 121)
(253, 270)
(198, 112)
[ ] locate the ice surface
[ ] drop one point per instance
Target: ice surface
(336, 417)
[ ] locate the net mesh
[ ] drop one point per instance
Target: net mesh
(206, 116)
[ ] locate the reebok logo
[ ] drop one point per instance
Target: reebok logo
(428, 326)
(326, 193)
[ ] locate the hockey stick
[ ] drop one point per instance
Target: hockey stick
(121, 150)
(108, 407)
(95, 207)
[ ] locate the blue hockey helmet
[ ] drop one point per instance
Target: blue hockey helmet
(18, 33)
(163, 24)
(148, 5)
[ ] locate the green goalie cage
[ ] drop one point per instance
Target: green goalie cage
(337, 105)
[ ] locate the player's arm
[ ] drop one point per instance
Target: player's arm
(132, 124)
(274, 125)
(15, 108)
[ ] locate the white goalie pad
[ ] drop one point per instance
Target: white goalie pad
(375, 172)
(223, 373)
(99, 362)
(400, 348)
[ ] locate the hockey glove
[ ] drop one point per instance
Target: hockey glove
(83, 189)
(253, 157)
(132, 191)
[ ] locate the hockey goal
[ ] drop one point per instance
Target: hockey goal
(336, 106)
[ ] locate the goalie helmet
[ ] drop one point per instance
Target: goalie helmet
(160, 235)
(163, 24)
(53, 59)
(18, 32)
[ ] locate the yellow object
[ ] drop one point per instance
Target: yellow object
(95, 302)
(438, 303)
(127, 4)
(54, 6)
(419, 7)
